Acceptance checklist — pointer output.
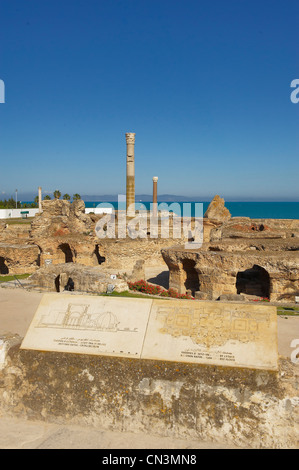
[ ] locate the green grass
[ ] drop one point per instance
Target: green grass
(129, 294)
(13, 278)
(17, 221)
(293, 311)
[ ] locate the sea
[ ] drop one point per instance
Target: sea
(254, 210)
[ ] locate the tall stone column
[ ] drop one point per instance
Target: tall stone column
(40, 199)
(130, 195)
(155, 196)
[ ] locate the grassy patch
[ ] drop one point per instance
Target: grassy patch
(13, 278)
(280, 310)
(17, 221)
(129, 294)
(292, 311)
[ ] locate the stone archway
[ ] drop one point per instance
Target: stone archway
(97, 256)
(57, 283)
(63, 282)
(253, 281)
(3, 267)
(191, 276)
(68, 254)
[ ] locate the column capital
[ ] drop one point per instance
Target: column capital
(130, 137)
(155, 179)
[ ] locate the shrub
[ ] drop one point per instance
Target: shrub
(146, 288)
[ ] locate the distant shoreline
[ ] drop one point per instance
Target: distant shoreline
(251, 209)
(29, 197)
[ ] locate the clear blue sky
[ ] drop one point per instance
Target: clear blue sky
(205, 85)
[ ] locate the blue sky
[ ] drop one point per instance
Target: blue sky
(204, 85)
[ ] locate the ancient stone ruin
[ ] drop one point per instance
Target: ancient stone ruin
(240, 258)
(244, 259)
(62, 238)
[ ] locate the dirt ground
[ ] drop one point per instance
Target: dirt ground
(17, 308)
(25, 434)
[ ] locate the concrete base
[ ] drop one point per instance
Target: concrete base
(238, 407)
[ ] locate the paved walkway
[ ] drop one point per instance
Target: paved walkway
(24, 434)
(18, 306)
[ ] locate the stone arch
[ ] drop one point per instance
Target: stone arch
(254, 281)
(39, 255)
(191, 276)
(97, 256)
(70, 285)
(3, 266)
(68, 254)
(57, 283)
(63, 282)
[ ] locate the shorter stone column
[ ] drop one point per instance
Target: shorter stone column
(155, 196)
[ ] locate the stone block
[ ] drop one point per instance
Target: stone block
(232, 297)
(226, 334)
(201, 295)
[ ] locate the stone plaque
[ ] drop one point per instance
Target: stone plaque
(228, 334)
(89, 325)
(216, 333)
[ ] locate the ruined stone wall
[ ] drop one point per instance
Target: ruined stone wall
(59, 217)
(254, 229)
(217, 271)
(54, 278)
(119, 254)
(14, 233)
(65, 249)
(18, 259)
(124, 253)
(242, 407)
(63, 233)
(239, 255)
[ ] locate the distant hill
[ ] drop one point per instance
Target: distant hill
(26, 197)
(29, 197)
(146, 198)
